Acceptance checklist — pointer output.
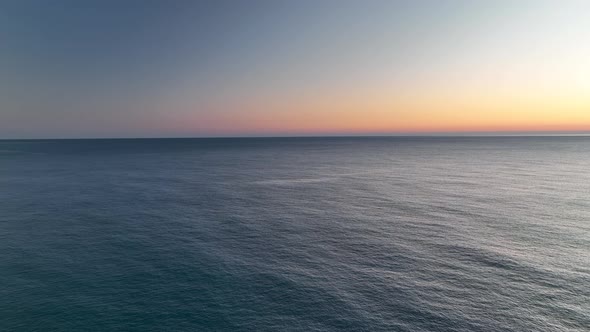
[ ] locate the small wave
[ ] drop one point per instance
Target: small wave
(294, 181)
(19, 152)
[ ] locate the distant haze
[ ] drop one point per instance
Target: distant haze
(264, 68)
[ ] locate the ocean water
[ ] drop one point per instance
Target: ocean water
(295, 234)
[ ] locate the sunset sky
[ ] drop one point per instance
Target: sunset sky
(324, 67)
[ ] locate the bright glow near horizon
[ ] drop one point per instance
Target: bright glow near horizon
(100, 69)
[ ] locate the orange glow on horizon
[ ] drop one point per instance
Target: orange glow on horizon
(397, 114)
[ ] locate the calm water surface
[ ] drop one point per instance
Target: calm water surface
(308, 234)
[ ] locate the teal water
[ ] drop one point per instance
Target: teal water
(295, 234)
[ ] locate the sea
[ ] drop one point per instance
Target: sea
(295, 234)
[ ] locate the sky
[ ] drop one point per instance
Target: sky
(145, 68)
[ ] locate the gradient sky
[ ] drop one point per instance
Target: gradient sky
(141, 68)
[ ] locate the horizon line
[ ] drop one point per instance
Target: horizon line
(363, 135)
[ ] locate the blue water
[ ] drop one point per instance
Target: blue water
(306, 234)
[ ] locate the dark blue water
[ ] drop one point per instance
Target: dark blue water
(331, 234)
